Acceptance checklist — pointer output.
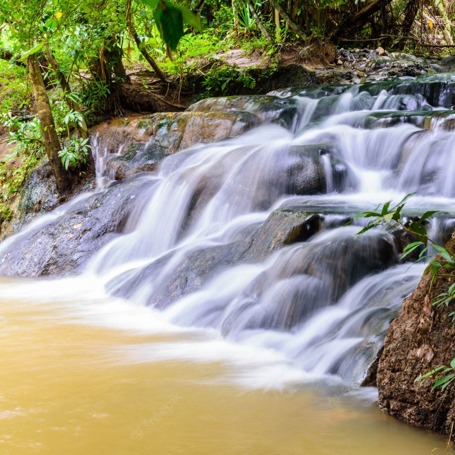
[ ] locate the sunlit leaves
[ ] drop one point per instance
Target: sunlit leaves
(33, 50)
(190, 18)
(151, 3)
(384, 215)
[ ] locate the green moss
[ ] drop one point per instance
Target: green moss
(5, 213)
(144, 124)
(131, 152)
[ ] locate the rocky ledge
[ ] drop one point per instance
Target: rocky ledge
(419, 340)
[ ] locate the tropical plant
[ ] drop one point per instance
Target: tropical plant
(387, 215)
(74, 152)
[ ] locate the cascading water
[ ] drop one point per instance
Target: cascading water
(324, 300)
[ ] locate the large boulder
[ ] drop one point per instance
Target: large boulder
(138, 144)
(270, 109)
(421, 339)
(39, 196)
(65, 244)
(307, 277)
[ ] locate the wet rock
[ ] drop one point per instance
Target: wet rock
(306, 175)
(39, 196)
(138, 144)
(343, 262)
(65, 244)
(280, 229)
(437, 92)
(372, 372)
(420, 339)
(403, 239)
(171, 132)
(307, 277)
(135, 159)
(339, 76)
(270, 109)
(378, 65)
(196, 269)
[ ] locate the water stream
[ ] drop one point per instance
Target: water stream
(250, 352)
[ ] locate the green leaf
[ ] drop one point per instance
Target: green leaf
(447, 384)
(33, 50)
(443, 380)
(452, 363)
(444, 253)
(418, 229)
(190, 18)
(367, 215)
(397, 214)
(428, 214)
(385, 208)
(152, 3)
(410, 248)
(413, 245)
(170, 23)
(422, 377)
(389, 216)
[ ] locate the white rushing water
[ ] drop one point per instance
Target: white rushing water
(321, 306)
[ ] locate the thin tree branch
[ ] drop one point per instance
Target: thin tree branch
(259, 22)
(292, 25)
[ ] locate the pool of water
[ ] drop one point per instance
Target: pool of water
(84, 374)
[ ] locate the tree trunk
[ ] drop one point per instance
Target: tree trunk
(292, 25)
(66, 89)
(361, 15)
(116, 59)
(383, 19)
(410, 13)
(259, 22)
(198, 7)
(276, 15)
(234, 16)
(294, 9)
(141, 48)
(51, 141)
(147, 56)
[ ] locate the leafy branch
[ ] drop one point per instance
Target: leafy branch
(387, 215)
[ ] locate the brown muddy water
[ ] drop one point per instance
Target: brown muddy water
(82, 374)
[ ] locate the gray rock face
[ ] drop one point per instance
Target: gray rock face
(138, 144)
(64, 245)
(269, 108)
(38, 196)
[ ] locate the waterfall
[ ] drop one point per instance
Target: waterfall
(324, 301)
